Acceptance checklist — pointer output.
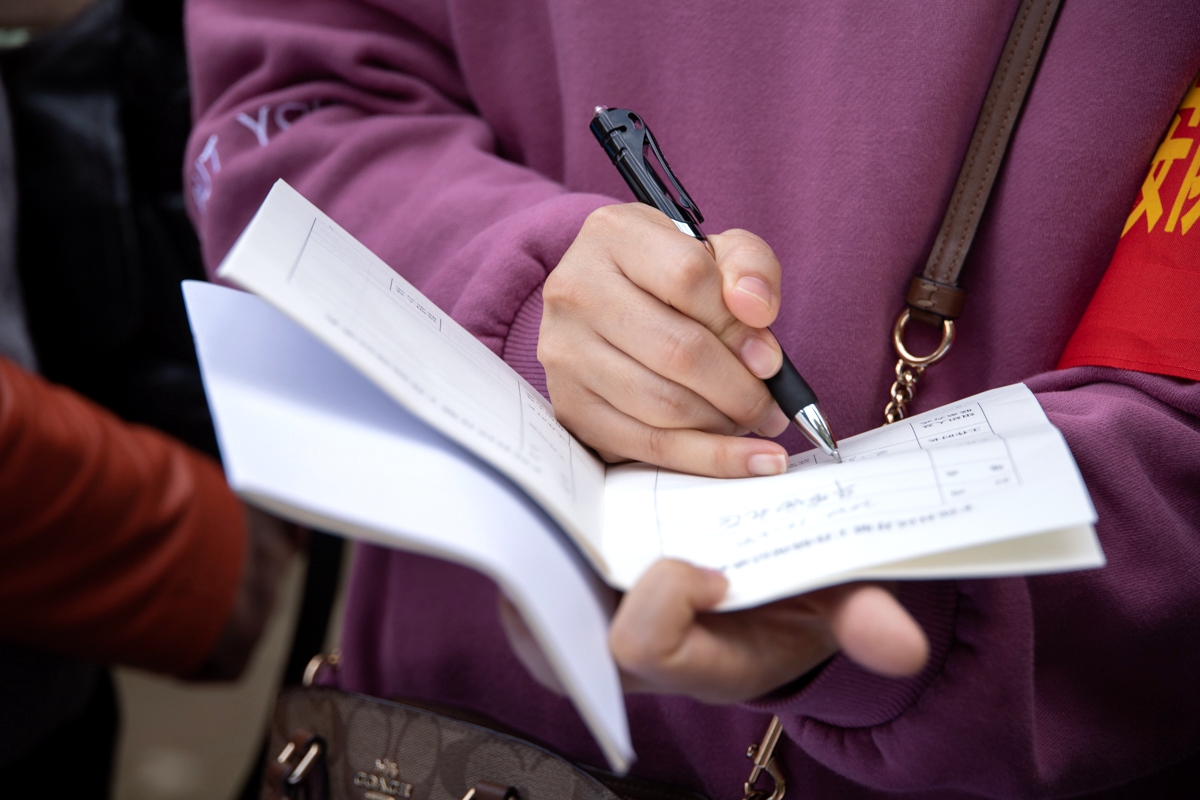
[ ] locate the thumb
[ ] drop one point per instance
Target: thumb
(875, 631)
(750, 276)
(655, 616)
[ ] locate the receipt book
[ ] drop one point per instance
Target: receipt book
(345, 399)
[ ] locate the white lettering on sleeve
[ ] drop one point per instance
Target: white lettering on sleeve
(257, 127)
(282, 120)
(207, 164)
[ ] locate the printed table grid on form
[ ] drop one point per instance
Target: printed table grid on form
(889, 471)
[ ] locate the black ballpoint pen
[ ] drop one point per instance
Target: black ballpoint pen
(626, 138)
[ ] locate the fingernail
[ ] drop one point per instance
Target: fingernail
(756, 288)
(767, 464)
(774, 426)
(760, 358)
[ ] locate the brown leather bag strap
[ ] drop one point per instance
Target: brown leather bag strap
(935, 296)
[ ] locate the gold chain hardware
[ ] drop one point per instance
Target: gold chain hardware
(319, 662)
(763, 756)
(910, 368)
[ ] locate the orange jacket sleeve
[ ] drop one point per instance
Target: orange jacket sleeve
(117, 543)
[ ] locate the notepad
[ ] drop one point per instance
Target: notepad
(347, 399)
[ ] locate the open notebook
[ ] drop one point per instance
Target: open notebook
(431, 442)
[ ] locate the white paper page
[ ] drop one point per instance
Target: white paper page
(1055, 551)
(306, 436)
(986, 469)
(303, 263)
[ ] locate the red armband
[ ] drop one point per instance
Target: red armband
(1145, 315)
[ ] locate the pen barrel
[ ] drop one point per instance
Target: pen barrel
(622, 157)
(625, 166)
(789, 389)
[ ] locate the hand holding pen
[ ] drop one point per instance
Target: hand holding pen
(633, 367)
(655, 348)
(628, 142)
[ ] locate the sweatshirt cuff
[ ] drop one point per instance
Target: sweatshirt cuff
(845, 695)
(520, 346)
(541, 234)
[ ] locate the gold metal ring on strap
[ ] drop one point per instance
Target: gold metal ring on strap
(921, 361)
(319, 662)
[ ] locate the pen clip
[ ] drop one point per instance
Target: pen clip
(682, 199)
(633, 140)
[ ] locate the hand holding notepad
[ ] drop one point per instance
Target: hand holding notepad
(424, 454)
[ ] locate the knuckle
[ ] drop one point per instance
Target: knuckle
(558, 286)
(729, 329)
(682, 350)
(727, 461)
(604, 220)
(690, 270)
(572, 294)
(548, 354)
(565, 294)
(717, 460)
(671, 406)
(658, 444)
(746, 407)
(757, 410)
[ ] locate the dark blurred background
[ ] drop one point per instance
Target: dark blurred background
(99, 106)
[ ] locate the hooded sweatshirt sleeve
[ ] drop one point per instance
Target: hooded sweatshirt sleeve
(350, 104)
(1049, 685)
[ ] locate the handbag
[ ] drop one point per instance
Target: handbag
(327, 744)
(333, 745)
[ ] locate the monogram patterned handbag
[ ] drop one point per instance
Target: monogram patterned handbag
(327, 744)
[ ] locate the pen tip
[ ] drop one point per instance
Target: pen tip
(815, 427)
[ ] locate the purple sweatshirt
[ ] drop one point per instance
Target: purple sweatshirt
(452, 139)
